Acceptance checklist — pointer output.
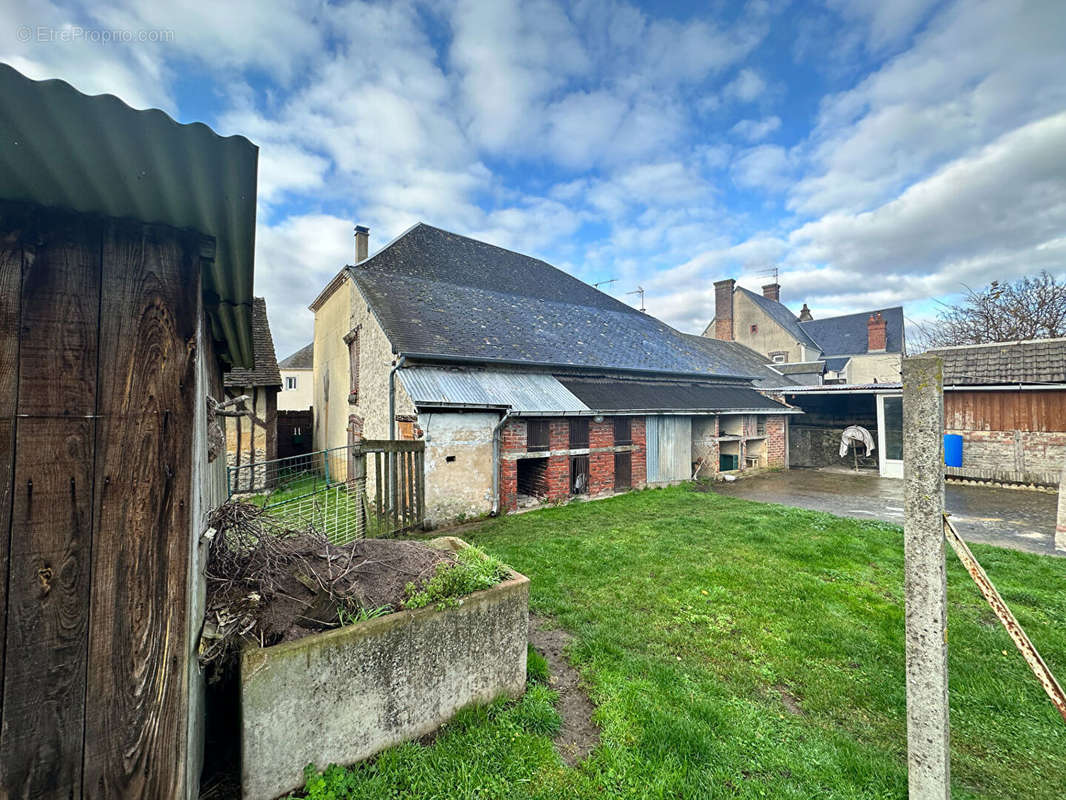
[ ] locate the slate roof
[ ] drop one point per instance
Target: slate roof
(1035, 361)
(304, 358)
(741, 360)
(848, 335)
(265, 370)
(782, 316)
(802, 368)
(650, 395)
(436, 293)
(836, 364)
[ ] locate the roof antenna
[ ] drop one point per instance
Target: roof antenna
(640, 291)
(604, 283)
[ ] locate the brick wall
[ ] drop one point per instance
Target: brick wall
(775, 441)
(556, 479)
(601, 465)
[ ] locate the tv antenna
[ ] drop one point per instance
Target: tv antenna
(769, 272)
(604, 283)
(640, 291)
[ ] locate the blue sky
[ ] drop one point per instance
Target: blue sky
(876, 153)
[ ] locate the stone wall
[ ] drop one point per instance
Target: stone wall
(1015, 456)
(341, 697)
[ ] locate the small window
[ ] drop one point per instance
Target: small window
(778, 358)
(290, 381)
(760, 426)
(754, 328)
(352, 340)
(537, 435)
(623, 431)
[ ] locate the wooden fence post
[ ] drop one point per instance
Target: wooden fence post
(1060, 522)
(928, 742)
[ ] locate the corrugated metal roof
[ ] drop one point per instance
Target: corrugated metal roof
(61, 148)
(516, 391)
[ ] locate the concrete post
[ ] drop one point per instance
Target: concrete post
(1060, 523)
(925, 582)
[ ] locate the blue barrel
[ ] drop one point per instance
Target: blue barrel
(952, 450)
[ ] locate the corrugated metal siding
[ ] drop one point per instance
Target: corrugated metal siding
(651, 430)
(518, 391)
(669, 443)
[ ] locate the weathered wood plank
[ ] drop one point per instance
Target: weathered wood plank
(136, 711)
(10, 292)
(51, 525)
(44, 686)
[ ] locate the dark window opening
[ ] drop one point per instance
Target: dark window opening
(537, 437)
(449, 459)
(754, 328)
(623, 431)
(579, 475)
(623, 471)
(533, 477)
(760, 426)
(579, 433)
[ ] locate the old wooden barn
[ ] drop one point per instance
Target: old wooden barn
(125, 290)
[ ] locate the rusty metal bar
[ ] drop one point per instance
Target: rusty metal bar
(1014, 629)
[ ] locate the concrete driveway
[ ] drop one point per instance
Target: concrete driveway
(1024, 520)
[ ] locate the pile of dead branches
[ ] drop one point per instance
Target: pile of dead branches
(268, 583)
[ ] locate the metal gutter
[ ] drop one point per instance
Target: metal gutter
(496, 462)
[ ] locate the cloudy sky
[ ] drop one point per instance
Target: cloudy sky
(875, 152)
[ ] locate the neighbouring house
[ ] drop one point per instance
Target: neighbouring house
(1008, 402)
(860, 348)
(126, 273)
(297, 372)
(841, 371)
(526, 384)
(253, 438)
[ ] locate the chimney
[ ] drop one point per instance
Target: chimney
(805, 314)
(723, 309)
(772, 291)
(362, 242)
(876, 333)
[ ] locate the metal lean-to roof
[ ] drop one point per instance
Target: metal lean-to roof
(95, 154)
(436, 387)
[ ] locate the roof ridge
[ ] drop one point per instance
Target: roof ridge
(852, 314)
(995, 344)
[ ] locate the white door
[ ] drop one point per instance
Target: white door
(890, 435)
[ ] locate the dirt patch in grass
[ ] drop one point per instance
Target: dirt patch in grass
(579, 735)
(790, 701)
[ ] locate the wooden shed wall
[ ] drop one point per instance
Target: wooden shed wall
(1005, 410)
(98, 392)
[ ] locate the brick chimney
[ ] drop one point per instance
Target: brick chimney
(362, 242)
(805, 314)
(723, 309)
(772, 291)
(876, 333)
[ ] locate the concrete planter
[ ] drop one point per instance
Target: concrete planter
(344, 695)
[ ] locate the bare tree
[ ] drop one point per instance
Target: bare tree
(1033, 307)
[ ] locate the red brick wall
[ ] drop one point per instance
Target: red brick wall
(775, 441)
(601, 465)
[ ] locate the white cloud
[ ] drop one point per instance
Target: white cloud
(747, 86)
(764, 167)
(754, 130)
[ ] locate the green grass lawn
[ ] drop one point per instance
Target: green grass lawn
(693, 614)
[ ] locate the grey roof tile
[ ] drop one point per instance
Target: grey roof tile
(438, 293)
(848, 335)
(1034, 362)
(304, 358)
(265, 370)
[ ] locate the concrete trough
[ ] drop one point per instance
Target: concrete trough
(342, 696)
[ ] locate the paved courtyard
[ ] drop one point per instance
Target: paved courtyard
(1024, 520)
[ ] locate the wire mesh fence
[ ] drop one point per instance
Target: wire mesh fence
(372, 489)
